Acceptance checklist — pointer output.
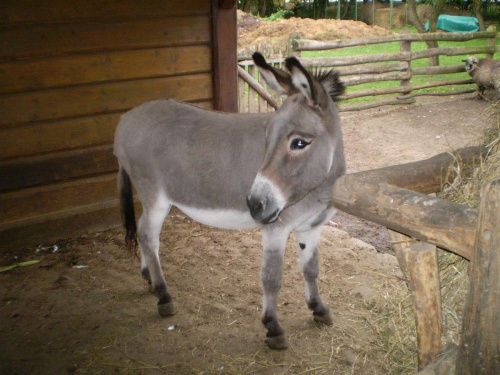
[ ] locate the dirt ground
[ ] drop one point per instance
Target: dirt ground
(84, 309)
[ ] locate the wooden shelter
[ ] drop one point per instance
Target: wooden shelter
(68, 70)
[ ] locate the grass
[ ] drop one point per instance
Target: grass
(416, 80)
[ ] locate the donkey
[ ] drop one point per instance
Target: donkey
(234, 171)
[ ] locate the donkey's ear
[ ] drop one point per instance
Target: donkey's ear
(278, 80)
(302, 80)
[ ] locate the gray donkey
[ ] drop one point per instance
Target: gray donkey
(274, 171)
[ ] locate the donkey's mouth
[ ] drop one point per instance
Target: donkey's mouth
(272, 218)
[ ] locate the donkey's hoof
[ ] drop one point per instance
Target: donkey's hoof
(277, 342)
(167, 309)
(323, 319)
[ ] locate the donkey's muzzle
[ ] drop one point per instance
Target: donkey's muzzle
(262, 211)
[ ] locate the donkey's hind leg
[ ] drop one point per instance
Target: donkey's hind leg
(149, 228)
(308, 247)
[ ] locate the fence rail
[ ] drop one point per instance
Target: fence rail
(371, 68)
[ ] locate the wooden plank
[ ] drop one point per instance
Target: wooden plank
(66, 38)
(99, 67)
(100, 98)
(56, 167)
(50, 11)
(47, 229)
(423, 272)
(479, 349)
(45, 137)
(27, 203)
(225, 59)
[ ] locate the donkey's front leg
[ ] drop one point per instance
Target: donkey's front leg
(308, 247)
(274, 243)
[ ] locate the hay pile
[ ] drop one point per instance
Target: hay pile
(465, 190)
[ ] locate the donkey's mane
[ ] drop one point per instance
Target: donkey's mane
(331, 82)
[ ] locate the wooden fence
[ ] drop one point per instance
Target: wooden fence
(396, 197)
(362, 69)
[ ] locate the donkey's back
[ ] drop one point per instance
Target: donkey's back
(193, 157)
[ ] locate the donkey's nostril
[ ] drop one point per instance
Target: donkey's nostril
(255, 205)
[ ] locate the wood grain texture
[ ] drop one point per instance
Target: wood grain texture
(100, 98)
(423, 271)
(442, 223)
(479, 349)
(16, 12)
(48, 137)
(80, 69)
(46, 169)
(33, 202)
(225, 57)
(66, 38)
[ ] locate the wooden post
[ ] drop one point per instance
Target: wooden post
(421, 259)
(405, 46)
(491, 42)
(400, 243)
(224, 55)
(418, 261)
(479, 351)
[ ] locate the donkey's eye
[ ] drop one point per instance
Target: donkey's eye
(299, 144)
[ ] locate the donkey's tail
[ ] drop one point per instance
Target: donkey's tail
(127, 209)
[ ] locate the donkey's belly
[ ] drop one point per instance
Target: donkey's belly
(220, 218)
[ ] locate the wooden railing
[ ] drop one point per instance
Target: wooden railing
(396, 197)
(362, 69)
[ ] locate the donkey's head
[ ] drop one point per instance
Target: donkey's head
(303, 140)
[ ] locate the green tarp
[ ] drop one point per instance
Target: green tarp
(456, 24)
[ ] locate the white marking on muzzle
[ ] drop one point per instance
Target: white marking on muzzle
(269, 194)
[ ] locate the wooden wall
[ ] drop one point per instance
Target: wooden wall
(68, 70)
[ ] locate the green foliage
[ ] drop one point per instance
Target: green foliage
(282, 13)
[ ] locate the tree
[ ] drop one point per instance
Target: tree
(262, 8)
(476, 10)
(437, 9)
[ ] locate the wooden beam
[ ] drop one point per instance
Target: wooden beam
(224, 55)
(479, 350)
(445, 224)
(314, 45)
(373, 196)
(424, 176)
